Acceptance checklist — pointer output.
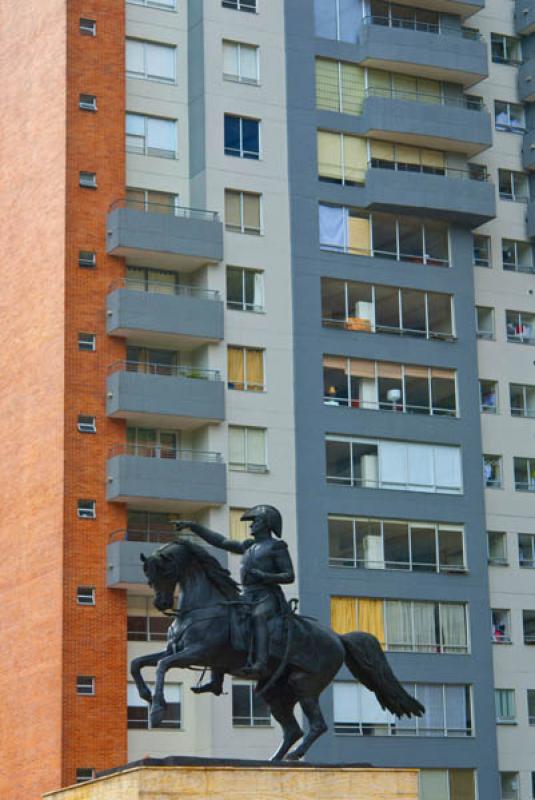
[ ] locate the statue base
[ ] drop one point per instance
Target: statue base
(212, 779)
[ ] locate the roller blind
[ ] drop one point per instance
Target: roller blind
(448, 467)
(359, 234)
(343, 614)
(230, 59)
(420, 467)
(236, 368)
(382, 150)
(359, 368)
(248, 62)
(237, 445)
(335, 362)
(407, 155)
(238, 530)
(255, 369)
(135, 58)
(446, 374)
(404, 86)
(352, 88)
(379, 82)
(161, 134)
(355, 158)
(330, 155)
(160, 61)
(393, 463)
(433, 158)
(416, 372)
(256, 446)
(434, 784)
(251, 211)
(232, 208)
(462, 784)
(327, 84)
(388, 370)
(429, 91)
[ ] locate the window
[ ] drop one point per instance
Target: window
(342, 158)
(243, 212)
(513, 185)
(248, 710)
(87, 102)
(481, 250)
(509, 786)
(162, 5)
(144, 622)
(85, 684)
(448, 711)
(386, 464)
(88, 27)
(528, 622)
(492, 471)
(85, 595)
(380, 385)
(247, 449)
(497, 548)
(240, 62)
(517, 256)
(501, 625)
(238, 528)
(447, 784)
(87, 509)
(396, 16)
(88, 180)
(407, 158)
(87, 424)
(153, 443)
(505, 706)
(404, 626)
(240, 5)
(245, 289)
(367, 543)
(150, 526)
(526, 550)
(488, 397)
(150, 136)
(381, 235)
(137, 709)
(522, 400)
(520, 327)
(531, 706)
(87, 259)
(245, 369)
(336, 19)
(153, 202)
(87, 341)
(340, 86)
(505, 49)
(84, 774)
(153, 62)
(524, 469)
(509, 117)
(242, 137)
(364, 307)
(484, 322)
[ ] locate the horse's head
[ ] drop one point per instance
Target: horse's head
(163, 570)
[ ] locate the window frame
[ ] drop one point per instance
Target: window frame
(87, 26)
(243, 305)
(241, 5)
(145, 149)
(246, 386)
(87, 180)
(139, 724)
(86, 426)
(85, 685)
(87, 344)
(480, 262)
(87, 597)
(87, 259)
(508, 126)
(242, 228)
(246, 155)
(146, 75)
(252, 720)
(248, 466)
(89, 103)
(86, 509)
(505, 698)
(157, 6)
(494, 462)
(239, 78)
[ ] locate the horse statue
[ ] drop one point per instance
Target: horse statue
(212, 628)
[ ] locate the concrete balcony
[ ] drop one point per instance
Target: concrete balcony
(530, 219)
(184, 319)
(526, 81)
(166, 480)
(163, 236)
(441, 55)
(452, 197)
(524, 17)
(453, 126)
(528, 151)
(159, 396)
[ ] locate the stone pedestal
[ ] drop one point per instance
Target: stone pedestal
(243, 780)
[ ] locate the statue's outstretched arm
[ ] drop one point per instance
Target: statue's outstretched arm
(211, 537)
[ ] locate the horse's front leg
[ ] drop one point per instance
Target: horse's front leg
(137, 665)
(184, 658)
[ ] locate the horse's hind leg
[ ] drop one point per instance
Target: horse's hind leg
(281, 702)
(306, 691)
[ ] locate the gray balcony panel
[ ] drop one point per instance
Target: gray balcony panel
(164, 239)
(452, 127)
(462, 8)
(526, 81)
(524, 17)
(176, 315)
(160, 400)
(166, 484)
(443, 56)
(530, 222)
(528, 150)
(467, 202)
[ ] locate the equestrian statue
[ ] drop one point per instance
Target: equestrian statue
(254, 632)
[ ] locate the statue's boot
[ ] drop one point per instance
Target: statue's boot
(215, 685)
(259, 668)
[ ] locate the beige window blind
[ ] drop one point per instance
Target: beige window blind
(327, 84)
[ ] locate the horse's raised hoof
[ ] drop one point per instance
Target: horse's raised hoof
(295, 755)
(157, 713)
(146, 695)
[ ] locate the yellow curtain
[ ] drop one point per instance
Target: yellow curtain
(379, 82)
(404, 86)
(327, 84)
(429, 90)
(359, 234)
(236, 367)
(232, 208)
(408, 155)
(343, 614)
(251, 211)
(360, 368)
(238, 530)
(371, 618)
(352, 88)
(330, 155)
(382, 150)
(433, 158)
(462, 784)
(255, 370)
(355, 158)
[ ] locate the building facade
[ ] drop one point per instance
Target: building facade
(276, 237)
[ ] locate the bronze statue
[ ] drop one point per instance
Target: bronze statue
(255, 633)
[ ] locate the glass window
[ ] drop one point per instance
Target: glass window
(505, 705)
(517, 256)
(150, 61)
(248, 709)
(247, 449)
(242, 137)
(243, 212)
(85, 595)
(510, 786)
(85, 684)
(522, 400)
(137, 709)
(481, 250)
(492, 471)
(245, 289)
(86, 509)
(144, 622)
(505, 49)
(524, 469)
(497, 548)
(531, 706)
(240, 5)
(501, 625)
(241, 62)
(528, 622)
(520, 327)
(484, 322)
(150, 136)
(488, 397)
(245, 369)
(526, 550)
(509, 117)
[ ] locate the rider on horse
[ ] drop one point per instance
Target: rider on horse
(265, 565)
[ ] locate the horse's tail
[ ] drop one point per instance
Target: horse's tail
(366, 661)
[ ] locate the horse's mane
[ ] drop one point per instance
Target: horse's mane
(216, 574)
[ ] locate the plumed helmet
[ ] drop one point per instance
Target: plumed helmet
(270, 514)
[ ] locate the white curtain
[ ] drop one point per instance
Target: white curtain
(258, 296)
(398, 624)
(393, 464)
(160, 61)
(237, 445)
(453, 626)
(448, 468)
(456, 708)
(135, 124)
(420, 467)
(333, 225)
(256, 446)
(161, 134)
(425, 636)
(230, 59)
(370, 709)
(135, 61)
(432, 698)
(249, 62)
(434, 784)
(372, 546)
(345, 696)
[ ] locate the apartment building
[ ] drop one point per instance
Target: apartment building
(273, 239)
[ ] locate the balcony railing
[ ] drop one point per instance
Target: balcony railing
(445, 172)
(168, 370)
(387, 405)
(160, 287)
(165, 208)
(414, 566)
(422, 27)
(161, 451)
(349, 325)
(472, 104)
